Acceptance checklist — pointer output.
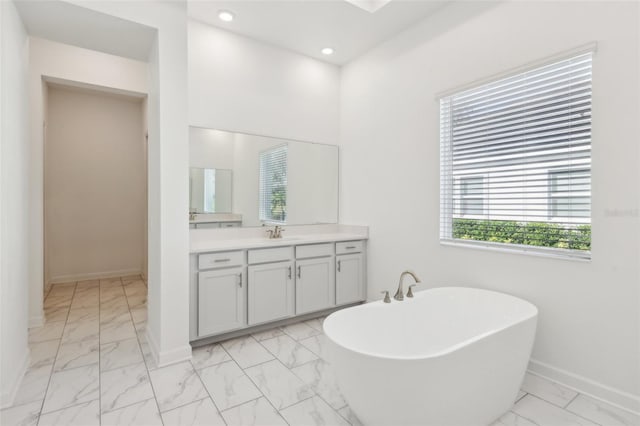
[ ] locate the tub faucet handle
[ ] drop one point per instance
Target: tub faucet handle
(387, 299)
(410, 292)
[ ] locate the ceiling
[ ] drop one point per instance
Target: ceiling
(307, 26)
(78, 26)
(350, 27)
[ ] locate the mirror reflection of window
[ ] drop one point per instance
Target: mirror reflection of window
(273, 185)
(209, 190)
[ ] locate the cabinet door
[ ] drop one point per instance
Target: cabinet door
(349, 279)
(270, 289)
(221, 301)
(315, 284)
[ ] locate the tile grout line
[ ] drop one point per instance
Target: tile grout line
(563, 409)
(257, 387)
(572, 399)
(251, 380)
(292, 372)
(44, 397)
(144, 359)
(207, 390)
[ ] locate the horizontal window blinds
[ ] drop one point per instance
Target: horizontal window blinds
(273, 185)
(516, 159)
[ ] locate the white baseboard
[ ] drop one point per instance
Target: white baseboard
(9, 394)
(172, 356)
(586, 386)
(94, 275)
(36, 321)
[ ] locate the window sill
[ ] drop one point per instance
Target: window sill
(576, 256)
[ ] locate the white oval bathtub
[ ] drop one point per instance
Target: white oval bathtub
(449, 356)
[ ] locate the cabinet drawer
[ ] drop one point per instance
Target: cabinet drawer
(229, 224)
(314, 250)
(349, 247)
(275, 254)
(206, 225)
(220, 260)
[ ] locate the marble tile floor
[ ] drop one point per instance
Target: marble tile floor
(90, 365)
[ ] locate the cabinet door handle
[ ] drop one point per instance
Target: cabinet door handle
(299, 272)
(339, 261)
(289, 272)
(222, 260)
(240, 279)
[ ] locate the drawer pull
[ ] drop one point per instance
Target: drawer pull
(221, 260)
(339, 262)
(350, 247)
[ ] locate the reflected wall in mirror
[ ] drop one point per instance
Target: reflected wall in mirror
(272, 180)
(210, 190)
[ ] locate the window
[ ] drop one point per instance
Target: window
(273, 185)
(570, 194)
(471, 196)
(515, 157)
(209, 190)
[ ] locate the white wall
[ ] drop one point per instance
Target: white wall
(589, 328)
(210, 148)
(168, 173)
(239, 84)
(14, 202)
(61, 62)
(95, 185)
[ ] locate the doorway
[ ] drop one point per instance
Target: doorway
(95, 185)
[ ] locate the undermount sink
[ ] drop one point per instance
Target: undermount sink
(284, 239)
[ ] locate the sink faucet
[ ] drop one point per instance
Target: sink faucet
(275, 232)
(400, 293)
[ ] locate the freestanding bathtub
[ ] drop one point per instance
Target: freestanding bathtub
(448, 356)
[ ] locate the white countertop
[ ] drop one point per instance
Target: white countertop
(209, 240)
(216, 217)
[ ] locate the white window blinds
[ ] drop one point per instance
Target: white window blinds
(273, 185)
(515, 158)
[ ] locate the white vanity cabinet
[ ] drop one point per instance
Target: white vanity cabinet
(209, 225)
(270, 285)
(315, 278)
(236, 289)
(221, 300)
(350, 269)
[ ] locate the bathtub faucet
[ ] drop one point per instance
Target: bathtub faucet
(400, 293)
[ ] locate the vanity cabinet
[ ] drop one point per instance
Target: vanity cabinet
(237, 289)
(349, 278)
(315, 278)
(271, 292)
(221, 300)
(208, 225)
(350, 269)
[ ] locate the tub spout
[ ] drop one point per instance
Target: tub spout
(400, 293)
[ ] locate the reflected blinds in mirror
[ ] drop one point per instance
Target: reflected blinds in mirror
(273, 185)
(516, 160)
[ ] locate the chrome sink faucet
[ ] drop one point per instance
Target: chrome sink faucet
(400, 293)
(275, 232)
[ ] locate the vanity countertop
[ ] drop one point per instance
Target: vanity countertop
(216, 217)
(201, 242)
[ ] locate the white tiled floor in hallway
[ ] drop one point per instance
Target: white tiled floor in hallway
(90, 365)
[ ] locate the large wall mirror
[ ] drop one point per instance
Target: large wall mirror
(261, 180)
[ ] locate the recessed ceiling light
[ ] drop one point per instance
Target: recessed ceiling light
(327, 51)
(225, 16)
